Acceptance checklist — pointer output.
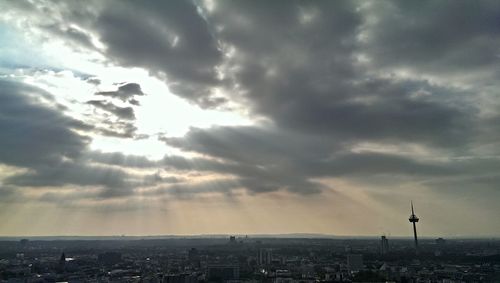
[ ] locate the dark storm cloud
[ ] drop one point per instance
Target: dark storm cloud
(42, 140)
(134, 102)
(309, 82)
(170, 38)
(287, 152)
(118, 129)
(187, 191)
(124, 92)
(32, 134)
(78, 38)
(436, 36)
(303, 73)
(380, 110)
(369, 164)
(260, 142)
(156, 179)
(66, 173)
(272, 171)
(120, 159)
(327, 75)
(120, 112)
(264, 161)
(248, 175)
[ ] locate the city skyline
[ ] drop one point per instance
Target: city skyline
(193, 117)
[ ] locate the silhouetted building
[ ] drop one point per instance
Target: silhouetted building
(265, 257)
(440, 241)
(355, 262)
(24, 242)
(61, 265)
(384, 245)
(220, 273)
(414, 219)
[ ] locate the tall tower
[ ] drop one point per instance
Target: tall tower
(414, 219)
(384, 245)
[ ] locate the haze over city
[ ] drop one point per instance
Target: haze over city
(249, 117)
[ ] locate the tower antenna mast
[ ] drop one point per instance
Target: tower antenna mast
(414, 219)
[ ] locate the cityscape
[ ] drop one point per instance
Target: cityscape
(243, 258)
(232, 141)
(249, 259)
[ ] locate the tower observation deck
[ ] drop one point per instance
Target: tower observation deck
(414, 219)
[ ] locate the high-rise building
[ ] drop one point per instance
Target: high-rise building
(414, 219)
(232, 239)
(265, 256)
(384, 245)
(24, 242)
(61, 266)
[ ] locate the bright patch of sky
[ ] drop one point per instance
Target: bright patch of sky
(63, 72)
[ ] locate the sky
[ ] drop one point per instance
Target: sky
(249, 117)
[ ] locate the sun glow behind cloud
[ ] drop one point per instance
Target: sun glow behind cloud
(159, 117)
(160, 111)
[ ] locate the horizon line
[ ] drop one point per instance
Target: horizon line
(255, 235)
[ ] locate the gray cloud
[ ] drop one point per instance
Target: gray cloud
(306, 82)
(32, 134)
(425, 36)
(187, 191)
(124, 92)
(77, 37)
(118, 129)
(389, 113)
(326, 75)
(269, 160)
(134, 102)
(120, 159)
(169, 38)
(65, 173)
(44, 141)
(93, 81)
(126, 113)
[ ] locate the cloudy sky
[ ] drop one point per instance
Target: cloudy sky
(202, 117)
